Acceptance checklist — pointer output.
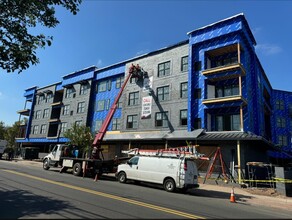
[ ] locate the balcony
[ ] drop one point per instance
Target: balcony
(225, 99)
(24, 112)
(231, 71)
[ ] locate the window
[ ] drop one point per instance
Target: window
(107, 105)
(198, 93)
(227, 123)
(183, 117)
(38, 114)
(63, 127)
(134, 160)
(231, 90)
(70, 92)
(119, 105)
(163, 93)
(104, 85)
(46, 113)
(35, 129)
(116, 124)
(164, 69)
(119, 82)
(282, 140)
(133, 98)
(184, 64)
(43, 129)
(279, 104)
(184, 90)
(98, 124)
(100, 105)
(281, 122)
(84, 88)
(161, 119)
(198, 65)
(41, 99)
(101, 86)
(49, 97)
(78, 123)
(226, 61)
(66, 110)
(81, 107)
(132, 121)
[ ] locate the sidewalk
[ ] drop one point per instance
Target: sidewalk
(250, 196)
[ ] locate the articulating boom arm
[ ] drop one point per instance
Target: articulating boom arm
(134, 72)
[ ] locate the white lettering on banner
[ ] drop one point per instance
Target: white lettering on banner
(146, 107)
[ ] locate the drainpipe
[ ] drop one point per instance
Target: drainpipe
(238, 162)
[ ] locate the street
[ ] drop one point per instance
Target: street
(31, 192)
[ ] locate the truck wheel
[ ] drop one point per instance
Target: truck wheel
(46, 165)
(169, 185)
(122, 177)
(77, 169)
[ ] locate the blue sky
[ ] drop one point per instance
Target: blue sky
(107, 32)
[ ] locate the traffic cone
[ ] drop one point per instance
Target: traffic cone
(232, 197)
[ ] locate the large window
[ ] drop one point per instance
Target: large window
(163, 93)
(35, 129)
(43, 129)
(164, 69)
(66, 110)
(70, 92)
(116, 124)
(231, 90)
(226, 61)
(100, 105)
(279, 104)
(281, 122)
(46, 113)
(184, 117)
(98, 125)
(161, 119)
(104, 85)
(133, 98)
(132, 121)
(282, 140)
(81, 107)
(78, 123)
(49, 97)
(84, 88)
(63, 127)
(41, 99)
(184, 90)
(119, 82)
(38, 114)
(184, 64)
(227, 123)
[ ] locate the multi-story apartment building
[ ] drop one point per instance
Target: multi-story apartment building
(209, 89)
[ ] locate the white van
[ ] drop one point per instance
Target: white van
(172, 173)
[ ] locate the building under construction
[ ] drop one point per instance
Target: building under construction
(210, 90)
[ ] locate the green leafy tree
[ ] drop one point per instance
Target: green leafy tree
(80, 136)
(17, 45)
(11, 133)
(2, 130)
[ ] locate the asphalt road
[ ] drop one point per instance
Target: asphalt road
(31, 192)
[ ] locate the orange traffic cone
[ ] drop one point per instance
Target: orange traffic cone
(232, 197)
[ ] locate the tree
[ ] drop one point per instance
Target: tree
(2, 130)
(80, 136)
(11, 133)
(17, 45)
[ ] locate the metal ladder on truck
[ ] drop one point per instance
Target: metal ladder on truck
(178, 152)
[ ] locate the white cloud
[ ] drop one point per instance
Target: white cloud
(99, 63)
(268, 49)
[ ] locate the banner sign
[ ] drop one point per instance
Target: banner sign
(146, 107)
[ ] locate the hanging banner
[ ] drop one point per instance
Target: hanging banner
(147, 84)
(146, 107)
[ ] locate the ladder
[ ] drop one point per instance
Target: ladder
(186, 151)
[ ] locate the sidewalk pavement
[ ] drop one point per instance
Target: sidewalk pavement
(250, 196)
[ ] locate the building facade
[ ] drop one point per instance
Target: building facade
(209, 89)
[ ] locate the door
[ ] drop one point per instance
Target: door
(132, 169)
(191, 172)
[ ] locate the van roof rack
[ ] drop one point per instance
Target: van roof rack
(186, 151)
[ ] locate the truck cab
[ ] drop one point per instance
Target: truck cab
(53, 159)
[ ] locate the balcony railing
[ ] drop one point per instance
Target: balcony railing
(224, 99)
(220, 69)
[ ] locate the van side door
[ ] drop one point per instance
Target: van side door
(132, 170)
